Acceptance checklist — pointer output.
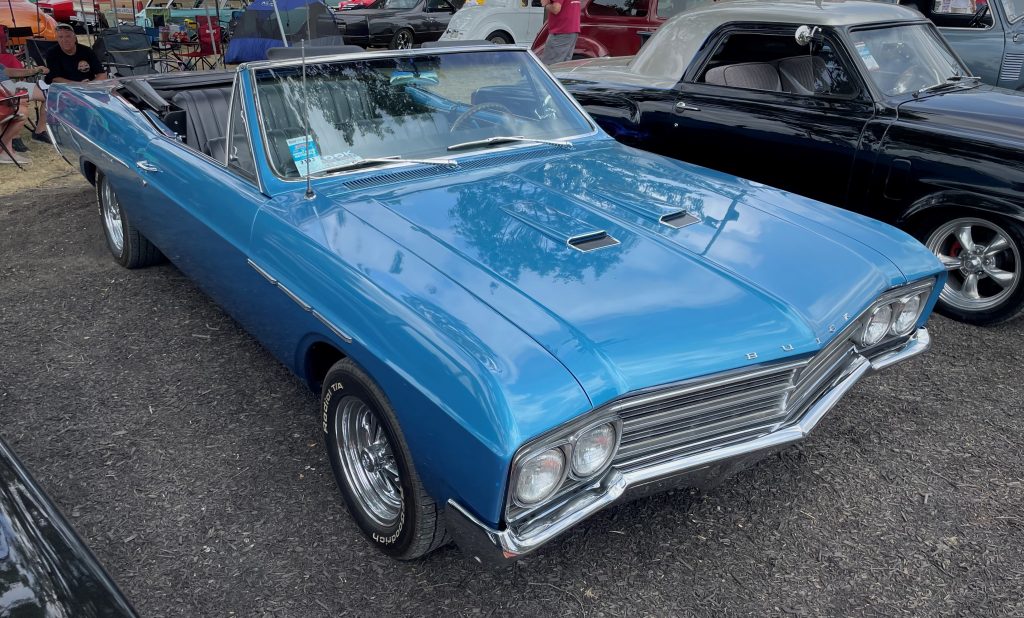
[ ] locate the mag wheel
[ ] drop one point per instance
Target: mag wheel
(402, 39)
(373, 466)
(128, 246)
(983, 261)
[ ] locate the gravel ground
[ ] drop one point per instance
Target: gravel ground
(190, 461)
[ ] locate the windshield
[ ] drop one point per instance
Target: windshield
(1014, 9)
(905, 59)
(412, 107)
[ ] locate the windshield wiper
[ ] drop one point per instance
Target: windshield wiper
(951, 81)
(376, 161)
(505, 139)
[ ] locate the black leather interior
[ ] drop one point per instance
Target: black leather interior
(206, 115)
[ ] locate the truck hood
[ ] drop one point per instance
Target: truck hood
(746, 278)
(996, 113)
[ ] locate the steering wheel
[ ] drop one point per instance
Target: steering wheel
(978, 16)
(913, 78)
(475, 109)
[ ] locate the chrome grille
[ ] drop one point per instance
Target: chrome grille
(712, 412)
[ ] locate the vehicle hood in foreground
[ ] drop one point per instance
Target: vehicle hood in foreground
(45, 570)
(755, 278)
(989, 111)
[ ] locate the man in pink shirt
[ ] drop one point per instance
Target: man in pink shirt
(563, 30)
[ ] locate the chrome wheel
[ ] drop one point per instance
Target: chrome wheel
(367, 461)
(111, 218)
(983, 262)
(403, 40)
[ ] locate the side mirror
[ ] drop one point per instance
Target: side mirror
(806, 34)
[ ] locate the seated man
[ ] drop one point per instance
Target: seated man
(10, 126)
(11, 69)
(71, 62)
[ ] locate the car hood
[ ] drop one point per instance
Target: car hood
(994, 112)
(750, 280)
(610, 69)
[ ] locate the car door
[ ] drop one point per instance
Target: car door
(200, 210)
(437, 13)
(801, 136)
(981, 46)
(614, 25)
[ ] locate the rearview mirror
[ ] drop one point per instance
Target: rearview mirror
(806, 34)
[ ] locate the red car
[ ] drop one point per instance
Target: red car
(346, 5)
(613, 27)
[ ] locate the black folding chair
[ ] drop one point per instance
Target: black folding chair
(126, 49)
(9, 104)
(37, 50)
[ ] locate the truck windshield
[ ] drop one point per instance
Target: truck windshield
(905, 59)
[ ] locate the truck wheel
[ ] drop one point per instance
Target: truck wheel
(128, 246)
(500, 38)
(374, 468)
(983, 260)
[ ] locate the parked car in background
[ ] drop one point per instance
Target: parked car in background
(45, 569)
(499, 21)
(22, 14)
(348, 5)
(869, 110)
(513, 320)
(396, 24)
(614, 27)
(989, 36)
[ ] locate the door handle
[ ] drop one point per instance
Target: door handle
(682, 106)
(146, 166)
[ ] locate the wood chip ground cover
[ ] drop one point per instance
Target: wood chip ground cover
(190, 461)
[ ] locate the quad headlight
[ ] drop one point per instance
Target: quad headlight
(908, 312)
(539, 476)
(579, 454)
(895, 316)
(593, 450)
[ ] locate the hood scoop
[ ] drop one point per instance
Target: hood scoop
(560, 226)
(651, 209)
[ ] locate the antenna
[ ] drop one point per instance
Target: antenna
(305, 118)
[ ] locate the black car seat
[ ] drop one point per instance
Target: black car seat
(800, 75)
(206, 115)
(753, 75)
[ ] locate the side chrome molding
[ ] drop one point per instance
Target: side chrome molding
(298, 301)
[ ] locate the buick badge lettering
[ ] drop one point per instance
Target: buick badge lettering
(752, 356)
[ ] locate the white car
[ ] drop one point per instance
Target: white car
(499, 21)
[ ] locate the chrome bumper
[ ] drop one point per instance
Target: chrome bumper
(495, 547)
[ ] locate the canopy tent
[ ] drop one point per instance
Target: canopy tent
(267, 24)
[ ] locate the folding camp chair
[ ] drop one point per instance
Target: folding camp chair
(37, 50)
(9, 104)
(209, 36)
(126, 50)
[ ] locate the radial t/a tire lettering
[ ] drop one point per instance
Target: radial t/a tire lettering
(374, 468)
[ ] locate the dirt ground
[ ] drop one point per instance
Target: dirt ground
(190, 461)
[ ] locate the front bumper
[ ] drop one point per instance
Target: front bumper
(487, 545)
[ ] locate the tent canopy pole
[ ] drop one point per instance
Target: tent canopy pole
(280, 24)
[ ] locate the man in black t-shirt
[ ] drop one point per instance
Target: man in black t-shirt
(71, 62)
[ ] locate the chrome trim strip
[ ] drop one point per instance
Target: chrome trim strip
(262, 272)
(53, 142)
(337, 331)
(499, 546)
(298, 301)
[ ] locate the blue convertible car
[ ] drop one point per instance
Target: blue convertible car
(513, 320)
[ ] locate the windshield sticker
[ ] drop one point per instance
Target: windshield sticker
(297, 146)
(865, 55)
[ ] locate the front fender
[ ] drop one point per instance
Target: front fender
(962, 200)
(590, 48)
